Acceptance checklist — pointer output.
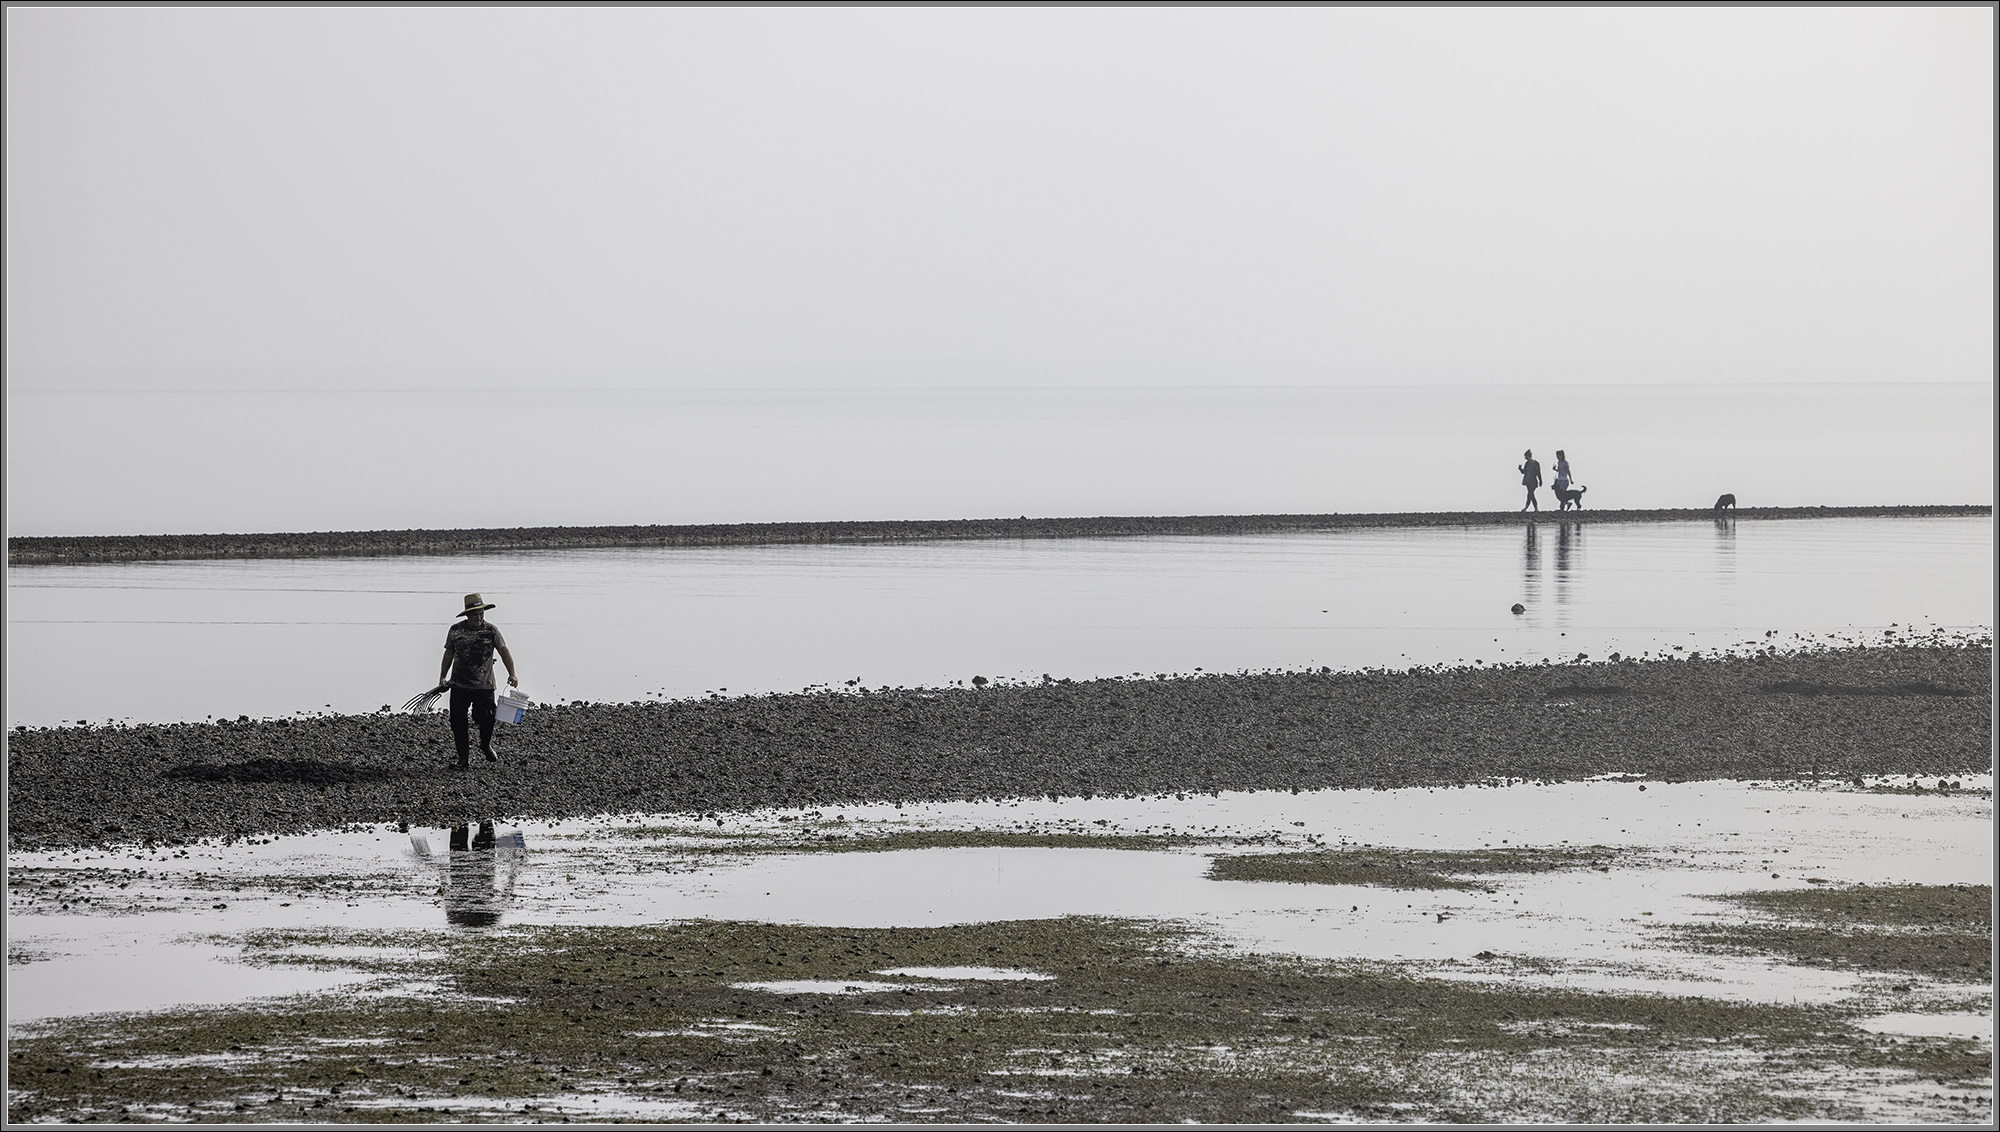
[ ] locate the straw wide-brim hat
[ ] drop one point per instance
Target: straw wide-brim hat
(474, 604)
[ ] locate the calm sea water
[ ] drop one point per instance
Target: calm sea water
(194, 639)
(126, 463)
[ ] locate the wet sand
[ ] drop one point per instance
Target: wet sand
(1922, 708)
(60, 550)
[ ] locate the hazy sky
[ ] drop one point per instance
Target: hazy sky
(387, 198)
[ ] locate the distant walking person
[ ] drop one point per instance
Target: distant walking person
(1562, 473)
(468, 667)
(1531, 478)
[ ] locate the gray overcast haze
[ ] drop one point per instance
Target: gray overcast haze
(384, 197)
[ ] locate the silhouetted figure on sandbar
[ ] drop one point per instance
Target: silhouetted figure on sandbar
(1531, 478)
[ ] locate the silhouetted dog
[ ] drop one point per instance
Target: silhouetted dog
(1728, 501)
(1570, 497)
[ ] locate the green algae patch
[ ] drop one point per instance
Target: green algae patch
(1935, 931)
(1396, 868)
(1136, 1023)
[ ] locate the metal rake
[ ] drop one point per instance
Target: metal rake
(423, 703)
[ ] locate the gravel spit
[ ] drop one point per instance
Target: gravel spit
(1922, 708)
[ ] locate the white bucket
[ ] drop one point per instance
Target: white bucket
(513, 706)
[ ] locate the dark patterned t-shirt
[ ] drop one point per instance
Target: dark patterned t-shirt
(472, 653)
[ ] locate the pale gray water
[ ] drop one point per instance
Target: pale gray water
(131, 463)
(186, 640)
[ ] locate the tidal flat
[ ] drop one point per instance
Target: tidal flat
(1500, 895)
(1635, 962)
(1127, 1022)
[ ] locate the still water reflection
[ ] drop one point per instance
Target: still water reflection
(622, 625)
(479, 870)
(1569, 557)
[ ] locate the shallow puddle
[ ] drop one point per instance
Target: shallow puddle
(1932, 1025)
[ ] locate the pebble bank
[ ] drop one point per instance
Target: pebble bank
(1923, 708)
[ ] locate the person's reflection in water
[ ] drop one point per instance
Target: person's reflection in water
(1569, 551)
(1531, 567)
(474, 892)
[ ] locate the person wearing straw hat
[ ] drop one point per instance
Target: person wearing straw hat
(468, 668)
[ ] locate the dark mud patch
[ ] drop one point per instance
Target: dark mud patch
(652, 1024)
(1570, 691)
(302, 772)
(1391, 868)
(1944, 787)
(129, 891)
(47, 890)
(1936, 931)
(18, 954)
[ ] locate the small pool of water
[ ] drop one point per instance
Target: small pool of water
(1932, 1025)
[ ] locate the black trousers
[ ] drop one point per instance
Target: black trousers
(480, 702)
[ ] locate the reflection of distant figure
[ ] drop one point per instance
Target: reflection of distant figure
(1568, 539)
(1531, 478)
(474, 894)
(1531, 565)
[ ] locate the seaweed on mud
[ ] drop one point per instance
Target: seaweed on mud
(537, 1022)
(1936, 931)
(1412, 869)
(1957, 907)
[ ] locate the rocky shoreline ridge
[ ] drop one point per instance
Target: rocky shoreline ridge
(90, 549)
(1921, 708)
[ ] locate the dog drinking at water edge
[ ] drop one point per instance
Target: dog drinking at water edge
(1727, 500)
